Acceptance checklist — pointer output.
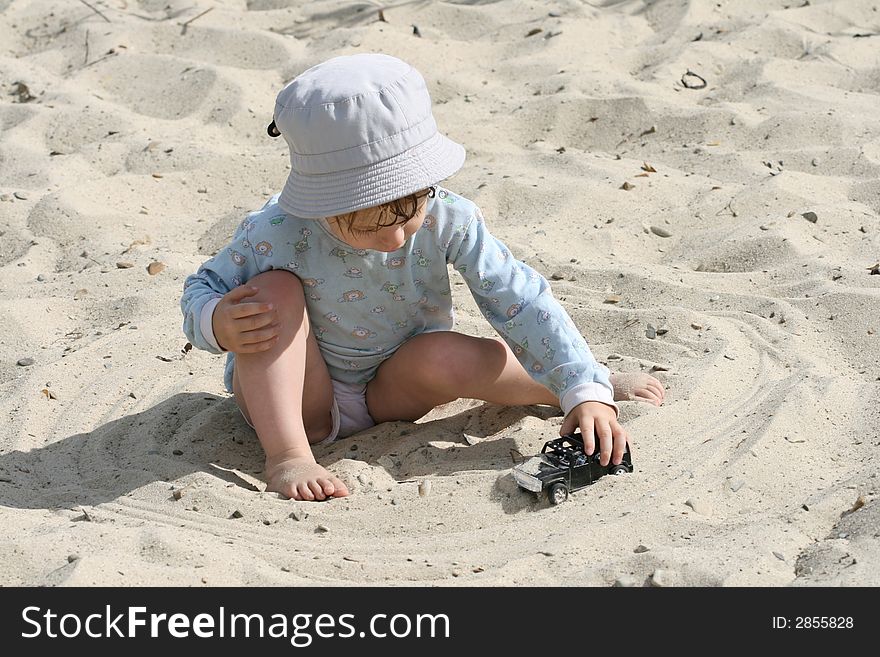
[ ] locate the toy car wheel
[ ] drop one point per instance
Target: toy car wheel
(558, 493)
(618, 469)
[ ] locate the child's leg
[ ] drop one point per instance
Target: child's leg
(436, 368)
(269, 388)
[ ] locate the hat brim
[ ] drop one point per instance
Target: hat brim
(326, 195)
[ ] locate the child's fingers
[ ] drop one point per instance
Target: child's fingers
(569, 424)
(620, 439)
(253, 322)
(606, 441)
(241, 292)
(240, 310)
(259, 335)
(588, 434)
(257, 347)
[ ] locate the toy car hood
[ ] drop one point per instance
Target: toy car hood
(535, 472)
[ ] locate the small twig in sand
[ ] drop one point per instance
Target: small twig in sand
(97, 11)
(86, 57)
(194, 18)
(110, 53)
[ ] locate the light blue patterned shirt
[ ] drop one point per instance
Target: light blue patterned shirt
(364, 304)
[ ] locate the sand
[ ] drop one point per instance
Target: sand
(138, 136)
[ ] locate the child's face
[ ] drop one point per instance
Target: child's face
(363, 233)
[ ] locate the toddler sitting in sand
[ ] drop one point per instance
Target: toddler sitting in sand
(334, 303)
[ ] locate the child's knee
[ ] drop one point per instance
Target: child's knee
(465, 358)
(280, 288)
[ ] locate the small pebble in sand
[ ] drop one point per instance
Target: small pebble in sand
(155, 267)
(21, 196)
(736, 485)
(779, 555)
(80, 294)
(237, 514)
(177, 493)
(662, 577)
(703, 508)
(660, 231)
(627, 186)
(25, 362)
(322, 529)
(663, 330)
(124, 265)
(612, 298)
(41, 277)
(626, 581)
(816, 161)
(298, 514)
(177, 452)
(202, 190)
(5, 197)
(285, 569)
(641, 548)
(812, 217)
(72, 557)
(650, 332)
(425, 488)
(696, 325)
(556, 276)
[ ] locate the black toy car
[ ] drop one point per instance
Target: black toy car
(563, 467)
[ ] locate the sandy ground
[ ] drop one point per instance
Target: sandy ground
(134, 134)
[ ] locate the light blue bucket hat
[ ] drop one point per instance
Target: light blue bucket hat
(361, 133)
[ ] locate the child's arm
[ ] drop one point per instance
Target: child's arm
(220, 282)
(518, 303)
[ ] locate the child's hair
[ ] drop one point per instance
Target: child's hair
(400, 210)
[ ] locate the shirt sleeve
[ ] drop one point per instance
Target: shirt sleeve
(518, 303)
(234, 265)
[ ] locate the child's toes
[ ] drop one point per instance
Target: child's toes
(339, 488)
(317, 490)
(305, 493)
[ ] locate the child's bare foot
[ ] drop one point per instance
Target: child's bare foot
(301, 478)
(637, 386)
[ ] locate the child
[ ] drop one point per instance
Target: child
(333, 300)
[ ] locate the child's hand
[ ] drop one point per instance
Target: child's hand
(602, 418)
(244, 326)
